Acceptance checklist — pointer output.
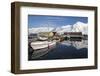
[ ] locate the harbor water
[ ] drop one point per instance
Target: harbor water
(63, 50)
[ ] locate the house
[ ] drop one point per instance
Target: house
(74, 35)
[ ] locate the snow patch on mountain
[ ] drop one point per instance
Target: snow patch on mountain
(62, 29)
(40, 29)
(77, 27)
(80, 27)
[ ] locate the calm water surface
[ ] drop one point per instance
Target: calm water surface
(63, 50)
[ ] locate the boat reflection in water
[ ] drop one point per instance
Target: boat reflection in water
(68, 49)
(41, 48)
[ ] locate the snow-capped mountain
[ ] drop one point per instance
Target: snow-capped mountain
(40, 29)
(66, 28)
(80, 27)
(77, 27)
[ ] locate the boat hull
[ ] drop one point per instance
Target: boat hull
(41, 48)
(41, 45)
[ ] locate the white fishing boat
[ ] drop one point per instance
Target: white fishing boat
(42, 44)
(42, 38)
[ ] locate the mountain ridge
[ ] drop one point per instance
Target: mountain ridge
(77, 27)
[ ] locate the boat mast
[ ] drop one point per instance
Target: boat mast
(48, 34)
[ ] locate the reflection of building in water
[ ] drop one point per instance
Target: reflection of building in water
(76, 44)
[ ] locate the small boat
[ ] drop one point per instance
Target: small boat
(41, 48)
(42, 44)
(42, 38)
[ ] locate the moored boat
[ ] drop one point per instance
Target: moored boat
(41, 48)
(42, 44)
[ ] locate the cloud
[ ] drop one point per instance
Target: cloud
(77, 27)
